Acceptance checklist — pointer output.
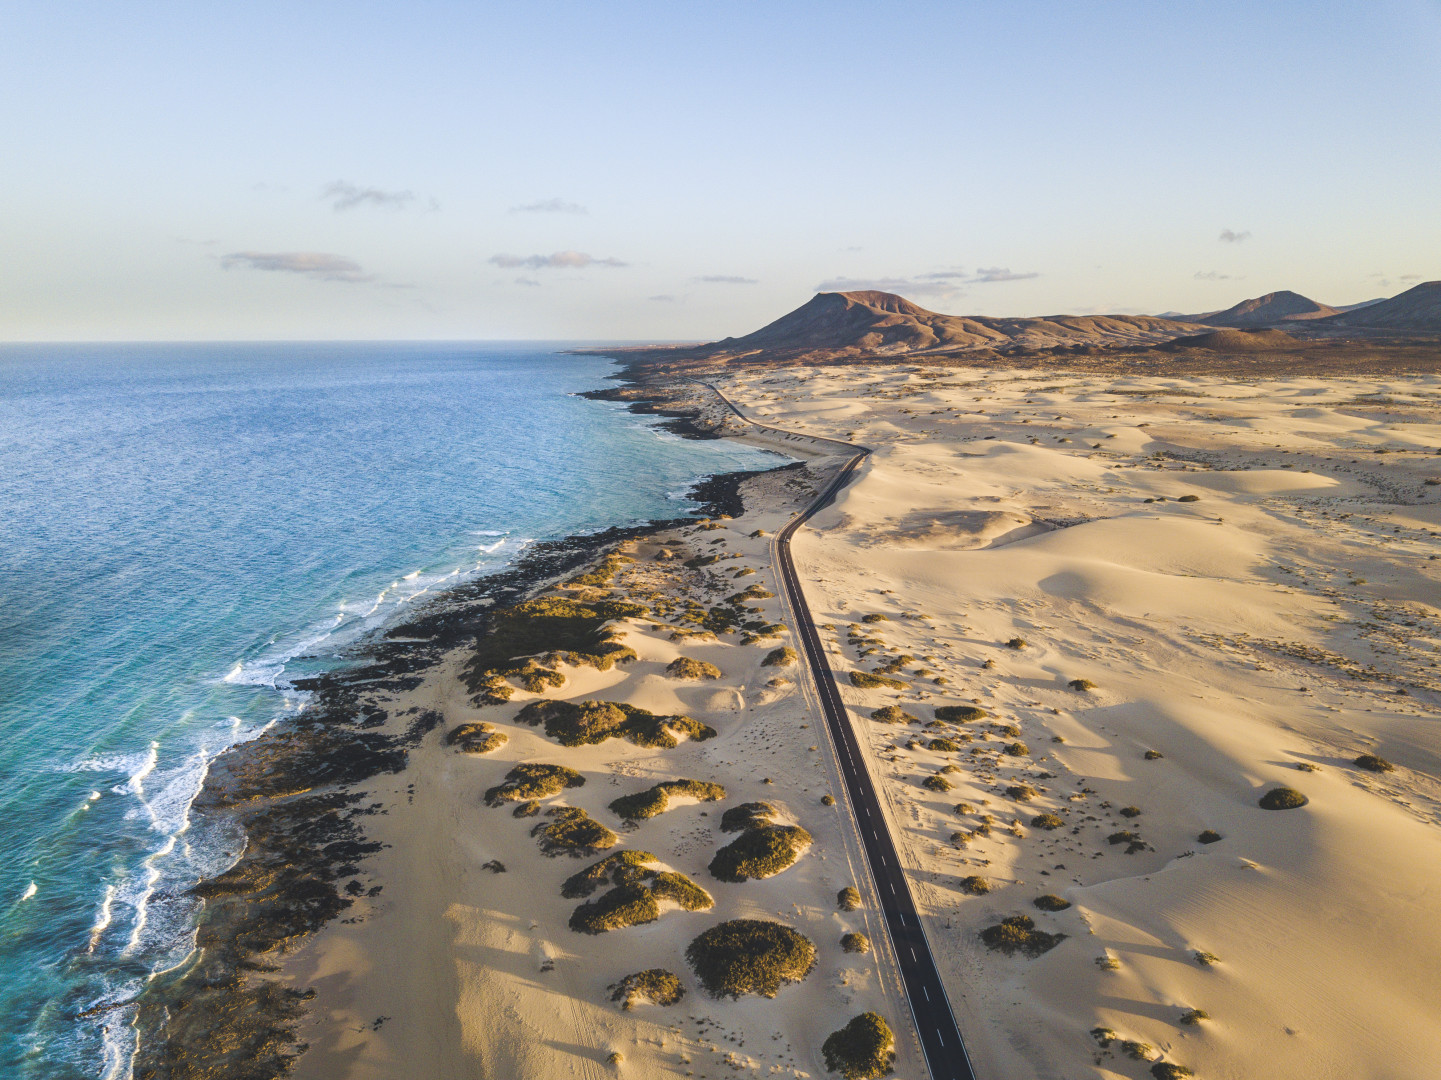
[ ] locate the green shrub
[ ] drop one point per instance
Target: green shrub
(828, 800)
(862, 1050)
(529, 808)
(590, 722)
(564, 627)
(1017, 643)
(1205, 959)
(751, 815)
(855, 942)
(937, 783)
(1125, 836)
(1019, 934)
(785, 656)
(875, 617)
(1130, 811)
(1104, 1035)
(533, 781)
(685, 667)
(1165, 1070)
(1021, 792)
(1194, 1016)
(1189, 498)
(891, 714)
(655, 985)
(573, 832)
(1209, 836)
(625, 905)
(1138, 1051)
(1282, 798)
(760, 853)
(1372, 763)
(1081, 684)
(676, 887)
(945, 746)
(975, 885)
(750, 956)
(1153, 755)
(849, 898)
(480, 738)
(655, 800)
(1107, 962)
(960, 714)
(1051, 902)
(617, 869)
(1017, 749)
(1047, 821)
(864, 680)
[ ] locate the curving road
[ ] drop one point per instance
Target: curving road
(946, 1056)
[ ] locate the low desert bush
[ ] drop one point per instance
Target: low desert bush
(1153, 755)
(1019, 934)
(686, 667)
(1189, 498)
(1017, 749)
(975, 885)
(760, 853)
(1047, 821)
(892, 714)
(533, 781)
(862, 1050)
(960, 714)
(1282, 798)
(785, 656)
(945, 746)
(1166, 1070)
(1194, 1016)
(864, 680)
(875, 617)
(1051, 902)
(751, 815)
(1372, 763)
(828, 800)
(655, 985)
(1205, 959)
(1021, 792)
(591, 722)
(573, 832)
(1209, 836)
(1017, 643)
(1130, 811)
(1081, 684)
(625, 905)
(655, 800)
(849, 898)
(479, 738)
(750, 956)
(937, 782)
(855, 942)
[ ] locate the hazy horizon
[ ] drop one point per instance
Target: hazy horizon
(650, 172)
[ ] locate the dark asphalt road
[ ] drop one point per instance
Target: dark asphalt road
(945, 1053)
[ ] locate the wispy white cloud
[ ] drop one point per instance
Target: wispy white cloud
(988, 274)
(1215, 275)
(311, 264)
(912, 286)
(345, 196)
(726, 279)
(560, 260)
(1230, 236)
(527, 281)
(664, 298)
(550, 206)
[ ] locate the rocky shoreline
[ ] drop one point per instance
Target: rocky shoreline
(297, 795)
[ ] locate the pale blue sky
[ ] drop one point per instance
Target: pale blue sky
(314, 170)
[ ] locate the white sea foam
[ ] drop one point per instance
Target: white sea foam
(103, 917)
(30, 891)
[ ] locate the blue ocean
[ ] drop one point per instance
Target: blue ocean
(186, 528)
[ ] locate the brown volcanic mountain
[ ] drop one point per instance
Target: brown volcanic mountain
(838, 325)
(1234, 340)
(1276, 307)
(1414, 309)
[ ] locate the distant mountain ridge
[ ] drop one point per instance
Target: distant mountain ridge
(1283, 306)
(1417, 308)
(869, 321)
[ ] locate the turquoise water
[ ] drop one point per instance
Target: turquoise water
(185, 527)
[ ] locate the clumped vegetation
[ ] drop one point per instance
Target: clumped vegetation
(686, 667)
(1166, 1070)
(1021, 792)
(655, 800)
(480, 738)
(1017, 749)
(1130, 811)
(1153, 755)
(565, 629)
(862, 1050)
(1017, 643)
(572, 724)
(1047, 821)
(828, 800)
(864, 680)
(760, 852)
(533, 781)
(961, 714)
(936, 782)
(945, 746)
(875, 617)
(637, 886)
(655, 985)
(751, 815)
(1194, 1016)
(849, 898)
(1051, 902)
(1019, 934)
(1082, 685)
(1282, 798)
(975, 885)
(892, 714)
(750, 956)
(572, 832)
(1372, 763)
(785, 656)
(1205, 959)
(855, 942)
(1209, 836)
